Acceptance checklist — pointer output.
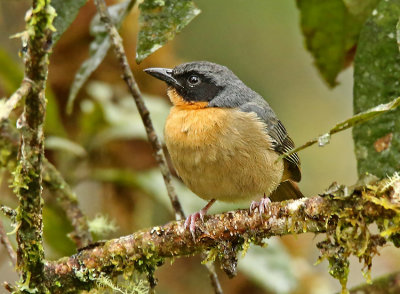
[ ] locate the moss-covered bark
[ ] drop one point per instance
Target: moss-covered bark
(344, 218)
(28, 173)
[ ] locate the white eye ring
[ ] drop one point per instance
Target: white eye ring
(193, 80)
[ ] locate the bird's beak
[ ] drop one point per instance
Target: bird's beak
(164, 74)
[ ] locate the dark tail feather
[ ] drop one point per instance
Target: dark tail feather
(285, 191)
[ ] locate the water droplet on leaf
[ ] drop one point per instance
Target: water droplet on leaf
(324, 139)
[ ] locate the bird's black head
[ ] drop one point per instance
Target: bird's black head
(199, 81)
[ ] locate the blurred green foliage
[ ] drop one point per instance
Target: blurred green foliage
(270, 267)
(10, 72)
(98, 47)
(11, 76)
(56, 230)
(66, 10)
(108, 115)
(106, 119)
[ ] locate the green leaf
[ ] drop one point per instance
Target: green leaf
(355, 120)
(377, 80)
(98, 47)
(331, 31)
(67, 10)
(160, 21)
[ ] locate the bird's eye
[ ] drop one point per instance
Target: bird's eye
(193, 80)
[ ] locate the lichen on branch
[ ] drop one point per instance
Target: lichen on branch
(342, 214)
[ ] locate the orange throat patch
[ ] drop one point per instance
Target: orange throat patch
(177, 100)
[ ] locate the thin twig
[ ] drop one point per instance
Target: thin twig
(12, 102)
(228, 232)
(6, 242)
(348, 123)
(144, 112)
(145, 115)
(213, 277)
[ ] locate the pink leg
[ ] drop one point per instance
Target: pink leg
(262, 205)
(191, 219)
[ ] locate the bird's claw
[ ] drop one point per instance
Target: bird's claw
(262, 206)
(191, 222)
(191, 219)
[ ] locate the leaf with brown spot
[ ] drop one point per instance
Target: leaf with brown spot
(383, 143)
(377, 81)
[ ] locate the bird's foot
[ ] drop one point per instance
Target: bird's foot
(190, 221)
(262, 206)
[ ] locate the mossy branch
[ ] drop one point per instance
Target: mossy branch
(28, 173)
(344, 218)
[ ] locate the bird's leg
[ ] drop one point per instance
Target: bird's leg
(191, 219)
(262, 205)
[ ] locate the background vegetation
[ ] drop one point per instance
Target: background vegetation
(101, 149)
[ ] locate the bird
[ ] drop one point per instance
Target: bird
(224, 139)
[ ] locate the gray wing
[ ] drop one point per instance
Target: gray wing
(282, 143)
